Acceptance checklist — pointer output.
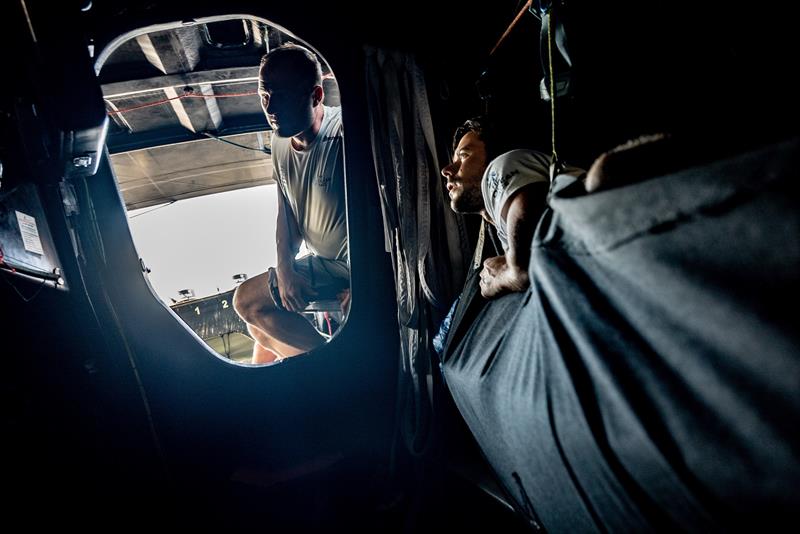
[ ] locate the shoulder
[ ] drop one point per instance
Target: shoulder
(510, 172)
(521, 162)
(520, 165)
(279, 146)
(333, 119)
(333, 112)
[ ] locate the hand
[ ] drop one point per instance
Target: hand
(295, 291)
(499, 278)
(344, 300)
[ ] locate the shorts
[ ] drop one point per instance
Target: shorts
(327, 277)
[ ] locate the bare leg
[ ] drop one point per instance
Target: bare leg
(283, 332)
(266, 343)
(262, 354)
(261, 351)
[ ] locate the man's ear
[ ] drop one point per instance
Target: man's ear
(317, 95)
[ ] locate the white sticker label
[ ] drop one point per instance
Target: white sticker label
(30, 233)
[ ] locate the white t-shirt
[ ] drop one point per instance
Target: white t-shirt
(312, 181)
(505, 175)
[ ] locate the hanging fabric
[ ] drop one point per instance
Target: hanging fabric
(426, 239)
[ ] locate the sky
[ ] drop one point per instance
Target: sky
(200, 243)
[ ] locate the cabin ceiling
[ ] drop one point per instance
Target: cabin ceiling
(175, 172)
(168, 92)
(185, 119)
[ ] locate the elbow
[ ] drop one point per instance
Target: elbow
(519, 279)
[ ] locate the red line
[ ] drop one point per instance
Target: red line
(188, 95)
(511, 26)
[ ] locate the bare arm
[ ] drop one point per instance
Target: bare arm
(294, 290)
(287, 235)
(509, 273)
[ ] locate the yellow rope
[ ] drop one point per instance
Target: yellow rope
(554, 157)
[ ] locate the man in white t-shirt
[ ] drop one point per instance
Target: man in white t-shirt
(514, 188)
(510, 192)
(499, 264)
(308, 168)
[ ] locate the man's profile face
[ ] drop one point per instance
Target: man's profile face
(286, 100)
(464, 175)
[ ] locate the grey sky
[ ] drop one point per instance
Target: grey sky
(200, 243)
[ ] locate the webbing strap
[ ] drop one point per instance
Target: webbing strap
(476, 258)
(554, 162)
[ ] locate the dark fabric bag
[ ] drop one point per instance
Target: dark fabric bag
(649, 380)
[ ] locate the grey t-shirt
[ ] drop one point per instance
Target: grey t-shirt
(505, 175)
(312, 181)
(509, 172)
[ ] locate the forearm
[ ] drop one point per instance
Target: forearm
(524, 211)
(519, 244)
(287, 247)
(287, 237)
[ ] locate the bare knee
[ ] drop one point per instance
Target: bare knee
(241, 303)
(264, 326)
(251, 299)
